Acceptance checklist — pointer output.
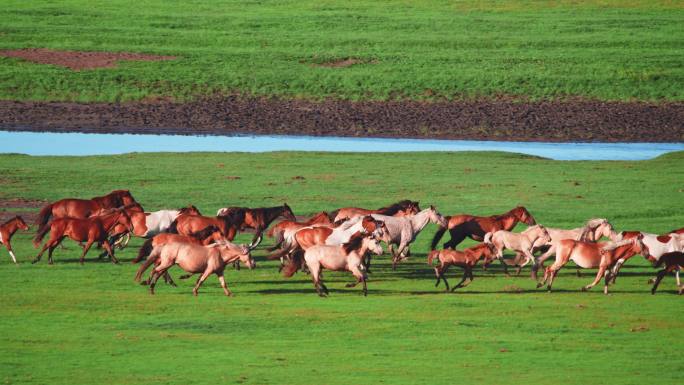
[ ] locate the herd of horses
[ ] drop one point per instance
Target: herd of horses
(341, 240)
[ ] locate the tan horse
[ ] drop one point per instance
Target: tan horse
(593, 255)
(7, 230)
(520, 242)
(199, 259)
(467, 259)
(346, 257)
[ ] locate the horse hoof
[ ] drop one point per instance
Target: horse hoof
(539, 285)
(651, 281)
(584, 288)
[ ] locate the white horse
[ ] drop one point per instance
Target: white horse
(159, 221)
(404, 230)
(520, 242)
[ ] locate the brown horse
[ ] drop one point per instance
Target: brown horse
(590, 255)
(672, 261)
(280, 229)
(259, 219)
(187, 224)
(89, 230)
(83, 208)
(466, 259)
(8, 229)
(464, 225)
(401, 208)
(199, 259)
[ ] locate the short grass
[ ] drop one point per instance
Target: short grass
(72, 324)
(596, 49)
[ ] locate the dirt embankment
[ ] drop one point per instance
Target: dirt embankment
(484, 120)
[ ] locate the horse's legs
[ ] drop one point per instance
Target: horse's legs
(52, 245)
(438, 275)
(202, 278)
(168, 279)
(539, 262)
(258, 236)
(222, 279)
(456, 237)
(156, 273)
(659, 277)
(601, 273)
(505, 266)
(460, 284)
(42, 250)
(110, 251)
(11, 253)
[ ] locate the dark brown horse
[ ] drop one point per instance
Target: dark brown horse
(8, 229)
(83, 208)
(464, 225)
(401, 208)
(258, 219)
(89, 230)
(673, 261)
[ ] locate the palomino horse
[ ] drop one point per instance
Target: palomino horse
(399, 209)
(346, 257)
(590, 255)
(192, 258)
(404, 230)
(89, 230)
(593, 231)
(657, 246)
(467, 259)
(284, 228)
(83, 208)
(259, 219)
(464, 225)
(7, 230)
(522, 242)
(672, 261)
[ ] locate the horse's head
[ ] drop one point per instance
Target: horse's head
(524, 216)
(436, 217)
(125, 196)
(125, 220)
(368, 224)
(20, 223)
(287, 213)
(541, 234)
(382, 232)
(230, 251)
(372, 244)
(190, 210)
(641, 248)
(605, 229)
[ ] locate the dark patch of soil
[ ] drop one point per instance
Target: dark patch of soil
(342, 63)
(556, 121)
(78, 60)
(27, 208)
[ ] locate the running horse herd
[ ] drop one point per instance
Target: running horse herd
(341, 240)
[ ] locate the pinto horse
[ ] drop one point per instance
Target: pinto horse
(89, 230)
(259, 219)
(282, 229)
(464, 225)
(590, 255)
(466, 259)
(346, 257)
(401, 208)
(7, 230)
(83, 208)
(657, 246)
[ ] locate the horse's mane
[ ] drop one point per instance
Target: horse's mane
(395, 207)
(183, 210)
(531, 228)
(354, 242)
(14, 218)
(205, 232)
(590, 226)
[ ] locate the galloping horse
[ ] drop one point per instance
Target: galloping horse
(159, 221)
(346, 257)
(186, 224)
(83, 208)
(520, 242)
(259, 219)
(89, 230)
(593, 255)
(657, 246)
(467, 259)
(672, 261)
(401, 208)
(464, 225)
(284, 228)
(593, 231)
(7, 230)
(199, 259)
(404, 230)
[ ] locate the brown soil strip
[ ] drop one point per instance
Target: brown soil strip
(77, 60)
(558, 121)
(27, 208)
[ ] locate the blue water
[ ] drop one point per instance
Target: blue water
(36, 143)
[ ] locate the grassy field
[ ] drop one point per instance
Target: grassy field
(598, 49)
(72, 324)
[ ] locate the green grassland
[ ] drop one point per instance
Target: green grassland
(608, 50)
(72, 324)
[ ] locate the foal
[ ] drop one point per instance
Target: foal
(466, 259)
(672, 261)
(7, 230)
(520, 242)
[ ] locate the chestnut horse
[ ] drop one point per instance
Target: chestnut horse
(7, 230)
(259, 219)
(186, 224)
(282, 229)
(401, 208)
(590, 255)
(83, 208)
(346, 257)
(466, 259)
(673, 261)
(89, 230)
(192, 258)
(464, 225)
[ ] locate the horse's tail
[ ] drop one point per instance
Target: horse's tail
(173, 227)
(149, 261)
(333, 214)
(288, 245)
(432, 255)
(44, 215)
(40, 235)
(294, 264)
(144, 251)
(488, 238)
(438, 235)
